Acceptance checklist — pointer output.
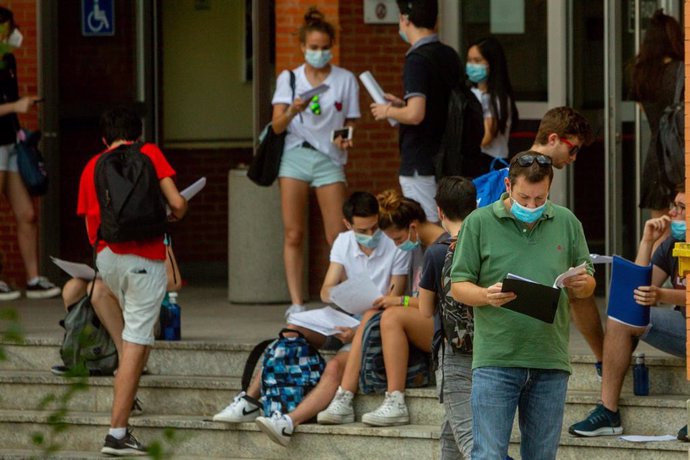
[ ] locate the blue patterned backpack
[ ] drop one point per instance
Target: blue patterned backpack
(291, 367)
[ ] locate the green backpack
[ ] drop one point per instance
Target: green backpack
(87, 346)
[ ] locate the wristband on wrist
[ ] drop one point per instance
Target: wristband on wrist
(406, 300)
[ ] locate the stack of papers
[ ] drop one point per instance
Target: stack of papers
(74, 269)
(355, 295)
(323, 320)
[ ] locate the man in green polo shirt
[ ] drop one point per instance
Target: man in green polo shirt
(519, 362)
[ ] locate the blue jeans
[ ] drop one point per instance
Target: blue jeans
(497, 392)
(666, 331)
(455, 371)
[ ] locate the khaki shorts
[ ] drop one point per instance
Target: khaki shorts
(139, 284)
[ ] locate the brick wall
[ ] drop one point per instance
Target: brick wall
(374, 161)
(27, 70)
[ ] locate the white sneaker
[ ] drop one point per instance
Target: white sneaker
(393, 411)
(278, 427)
(42, 289)
(294, 308)
(339, 411)
(243, 408)
(7, 293)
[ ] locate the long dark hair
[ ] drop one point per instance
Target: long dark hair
(663, 39)
(498, 83)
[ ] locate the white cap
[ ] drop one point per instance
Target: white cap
(173, 297)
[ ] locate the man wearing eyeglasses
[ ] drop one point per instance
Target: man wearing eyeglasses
(519, 362)
(666, 328)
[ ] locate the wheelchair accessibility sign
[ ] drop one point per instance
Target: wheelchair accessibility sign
(97, 18)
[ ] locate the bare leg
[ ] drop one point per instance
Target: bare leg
(585, 315)
(618, 348)
(108, 310)
(331, 198)
(350, 379)
(72, 291)
(398, 325)
(127, 382)
(27, 228)
(319, 398)
(294, 197)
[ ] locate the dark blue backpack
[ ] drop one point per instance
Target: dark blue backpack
(372, 376)
(291, 368)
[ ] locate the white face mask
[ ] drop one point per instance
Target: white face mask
(15, 39)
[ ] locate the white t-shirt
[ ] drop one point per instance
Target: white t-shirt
(498, 148)
(338, 103)
(385, 261)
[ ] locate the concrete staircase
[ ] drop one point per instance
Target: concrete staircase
(190, 381)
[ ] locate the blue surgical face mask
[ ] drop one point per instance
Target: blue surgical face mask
(476, 72)
(678, 229)
(526, 215)
(403, 36)
(409, 245)
(318, 58)
(369, 241)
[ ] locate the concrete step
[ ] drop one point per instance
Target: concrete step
(199, 438)
(667, 375)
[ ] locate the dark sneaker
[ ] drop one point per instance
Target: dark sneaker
(59, 369)
(137, 408)
(597, 367)
(125, 447)
(683, 434)
(599, 422)
(42, 289)
(7, 293)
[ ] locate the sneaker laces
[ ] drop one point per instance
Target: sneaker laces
(43, 283)
(389, 405)
(599, 414)
(341, 402)
(276, 417)
(236, 400)
(136, 441)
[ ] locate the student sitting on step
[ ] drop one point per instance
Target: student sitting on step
(404, 221)
(361, 249)
(666, 328)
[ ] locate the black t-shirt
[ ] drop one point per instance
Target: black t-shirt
(419, 143)
(434, 258)
(9, 92)
(663, 258)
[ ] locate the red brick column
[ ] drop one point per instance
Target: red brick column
(27, 70)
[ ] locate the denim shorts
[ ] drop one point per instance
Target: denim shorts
(666, 331)
(8, 158)
(139, 285)
(310, 166)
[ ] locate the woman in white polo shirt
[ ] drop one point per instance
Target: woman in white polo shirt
(310, 158)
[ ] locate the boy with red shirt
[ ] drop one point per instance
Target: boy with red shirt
(133, 270)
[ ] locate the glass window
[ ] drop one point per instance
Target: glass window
(526, 52)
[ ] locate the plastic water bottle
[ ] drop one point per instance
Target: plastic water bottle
(171, 319)
(640, 376)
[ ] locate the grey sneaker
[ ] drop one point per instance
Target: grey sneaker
(339, 411)
(7, 293)
(393, 411)
(42, 289)
(243, 408)
(125, 447)
(599, 422)
(294, 308)
(278, 427)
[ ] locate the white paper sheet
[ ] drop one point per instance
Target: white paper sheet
(355, 295)
(74, 269)
(322, 88)
(599, 259)
(190, 192)
(638, 438)
(573, 271)
(323, 320)
(375, 91)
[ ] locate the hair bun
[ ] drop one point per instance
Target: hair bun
(389, 200)
(313, 15)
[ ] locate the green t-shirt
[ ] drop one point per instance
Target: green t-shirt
(493, 243)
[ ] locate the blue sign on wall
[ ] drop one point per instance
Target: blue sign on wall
(97, 18)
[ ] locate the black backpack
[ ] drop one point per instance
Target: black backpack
(128, 190)
(462, 137)
(87, 348)
(671, 137)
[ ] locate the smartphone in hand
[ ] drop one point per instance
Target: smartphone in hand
(343, 133)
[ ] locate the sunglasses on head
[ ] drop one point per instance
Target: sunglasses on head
(527, 160)
(573, 149)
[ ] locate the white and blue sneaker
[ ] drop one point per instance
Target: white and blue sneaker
(243, 408)
(278, 427)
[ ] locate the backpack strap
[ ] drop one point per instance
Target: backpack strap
(680, 83)
(253, 358)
